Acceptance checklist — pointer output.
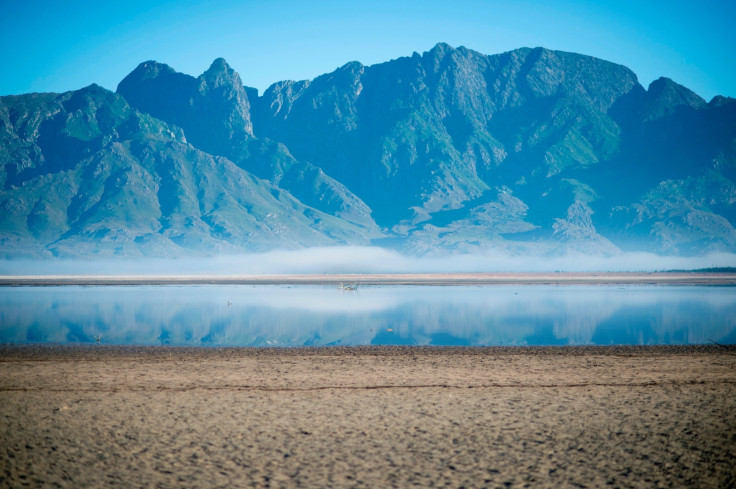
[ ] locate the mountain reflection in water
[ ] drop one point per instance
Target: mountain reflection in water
(288, 316)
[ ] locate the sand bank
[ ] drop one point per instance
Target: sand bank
(664, 278)
(368, 417)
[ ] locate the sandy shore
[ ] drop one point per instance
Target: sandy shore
(663, 278)
(368, 417)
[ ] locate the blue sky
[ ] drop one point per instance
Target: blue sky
(57, 46)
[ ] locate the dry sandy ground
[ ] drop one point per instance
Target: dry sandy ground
(368, 417)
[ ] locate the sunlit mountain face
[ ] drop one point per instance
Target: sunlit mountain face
(527, 152)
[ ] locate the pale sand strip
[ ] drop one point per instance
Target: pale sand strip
(663, 278)
(368, 417)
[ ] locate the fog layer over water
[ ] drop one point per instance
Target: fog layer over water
(213, 315)
(351, 259)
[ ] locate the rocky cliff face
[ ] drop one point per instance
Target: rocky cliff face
(214, 111)
(527, 150)
(452, 129)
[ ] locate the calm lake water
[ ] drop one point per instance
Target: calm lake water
(213, 315)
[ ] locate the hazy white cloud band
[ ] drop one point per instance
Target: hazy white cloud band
(350, 259)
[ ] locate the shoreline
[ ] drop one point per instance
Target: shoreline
(429, 279)
(43, 351)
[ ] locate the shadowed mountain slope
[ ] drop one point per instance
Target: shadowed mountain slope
(86, 174)
(214, 112)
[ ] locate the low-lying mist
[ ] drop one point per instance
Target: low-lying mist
(350, 259)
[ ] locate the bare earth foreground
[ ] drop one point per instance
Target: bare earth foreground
(368, 417)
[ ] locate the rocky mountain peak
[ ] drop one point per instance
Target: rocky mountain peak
(213, 109)
(354, 67)
(221, 99)
(435, 58)
(665, 97)
(147, 70)
(219, 64)
(721, 101)
(221, 74)
(440, 50)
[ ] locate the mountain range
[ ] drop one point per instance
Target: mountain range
(528, 151)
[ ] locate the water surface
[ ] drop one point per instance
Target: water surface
(221, 315)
